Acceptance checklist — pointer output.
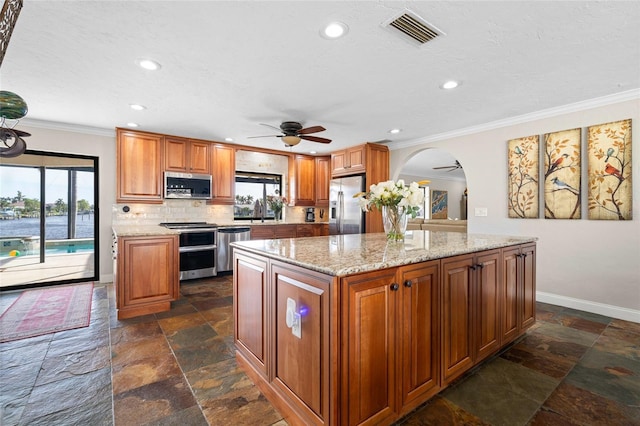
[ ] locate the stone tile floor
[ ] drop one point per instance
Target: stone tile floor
(178, 368)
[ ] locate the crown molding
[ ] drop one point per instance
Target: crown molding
(68, 127)
(628, 95)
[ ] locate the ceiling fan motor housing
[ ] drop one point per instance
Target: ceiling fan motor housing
(291, 127)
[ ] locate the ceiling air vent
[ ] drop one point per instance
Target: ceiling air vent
(412, 26)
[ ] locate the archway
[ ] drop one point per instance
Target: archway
(446, 175)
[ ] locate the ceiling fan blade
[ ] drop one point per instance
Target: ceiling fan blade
(312, 129)
(265, 136)
(445, 167)
(315, 139)
(273, 127)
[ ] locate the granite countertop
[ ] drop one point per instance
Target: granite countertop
(142, 230)
(341, 255)
(257, 222)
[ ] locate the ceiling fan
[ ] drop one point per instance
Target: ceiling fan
(292, 133)
(456, 166)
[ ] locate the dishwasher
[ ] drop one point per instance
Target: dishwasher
(227, 235)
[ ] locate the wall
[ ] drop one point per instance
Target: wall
(454, 188)
(99, 144)
(586, 264)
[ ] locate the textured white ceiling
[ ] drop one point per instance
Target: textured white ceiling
(228, 66)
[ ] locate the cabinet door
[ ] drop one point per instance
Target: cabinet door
(223, 171)
(528, 282)
(175, 154)
(339, 163)
(147, 276)
(250, 306)
(457, 354)
(285, 231)
(199, 157)
(369, 347)
(263, 232)
(302, 361)
(486, 314)
(140, 159)
(305, 231)
(418, 332)
(323, 176)
(305, 186)
(510, 319)
(356, 159)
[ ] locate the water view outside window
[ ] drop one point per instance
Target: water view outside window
(252, 191)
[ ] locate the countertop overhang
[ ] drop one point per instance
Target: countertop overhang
(341, 255)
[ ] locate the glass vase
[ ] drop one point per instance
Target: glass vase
(394, 220)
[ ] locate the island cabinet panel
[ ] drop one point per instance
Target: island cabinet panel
(369, 348)
(518, 291)
(250, 296)
(223, 169)
(301, 364)
(140, 159)
(147, 276)
(419, 331)
(471, 316)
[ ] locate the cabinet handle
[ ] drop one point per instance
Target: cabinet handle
(480, 265)
(524, 254)
(473, 267)
(395, 286)
(408, 283)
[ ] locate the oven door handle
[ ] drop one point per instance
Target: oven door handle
(197, 248)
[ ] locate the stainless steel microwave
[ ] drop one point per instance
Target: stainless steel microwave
(187, 185)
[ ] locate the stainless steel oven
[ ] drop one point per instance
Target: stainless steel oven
(198, 249)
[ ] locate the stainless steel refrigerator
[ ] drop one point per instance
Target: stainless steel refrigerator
(345, 215)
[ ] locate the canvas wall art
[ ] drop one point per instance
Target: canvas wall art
(524, 163)
(439, 204)
(562, 174)
(609, 153)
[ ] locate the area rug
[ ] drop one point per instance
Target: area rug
(47, 310)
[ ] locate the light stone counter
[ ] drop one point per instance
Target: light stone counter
(341, 255)
(142, 230)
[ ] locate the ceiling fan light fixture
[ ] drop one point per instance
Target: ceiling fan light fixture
(334, 30)
(291, 140)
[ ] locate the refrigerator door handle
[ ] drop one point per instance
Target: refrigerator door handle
(340, 211)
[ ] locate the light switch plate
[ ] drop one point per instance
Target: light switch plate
(296, 330)
(481, 211)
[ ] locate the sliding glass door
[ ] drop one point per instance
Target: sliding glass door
(48, 219)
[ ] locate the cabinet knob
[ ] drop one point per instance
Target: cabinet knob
(395, 286)
(408, 283)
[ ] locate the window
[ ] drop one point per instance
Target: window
(253, 191)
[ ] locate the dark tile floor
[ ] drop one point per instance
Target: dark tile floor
(178, 368)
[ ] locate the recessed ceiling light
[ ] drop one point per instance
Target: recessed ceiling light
(137, 107)
(132, 124)
(228, 139)
(451, 84)
(334, 30)
(313, 152)
(148, 64)
(395, 131)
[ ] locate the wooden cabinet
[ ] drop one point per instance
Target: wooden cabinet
(139, 158)
(390, 336)
(518, 291)
(305, 181)
(306, 230)
(471, 310)
(186, 155)
(250, 302)
(224, 174)
(350, 161)
(147, 275)
(323, 178)
(268, 232)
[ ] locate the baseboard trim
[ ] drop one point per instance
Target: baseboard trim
(106, 278)
(588, 306)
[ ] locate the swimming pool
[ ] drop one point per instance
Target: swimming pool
(30, 246)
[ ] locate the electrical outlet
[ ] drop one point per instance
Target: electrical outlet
(481, 211)
(296, 328)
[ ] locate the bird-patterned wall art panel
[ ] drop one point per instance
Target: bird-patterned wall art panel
(562, 174)
(610, 191)
(523, 177)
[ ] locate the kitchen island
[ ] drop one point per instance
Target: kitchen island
(350, 329)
